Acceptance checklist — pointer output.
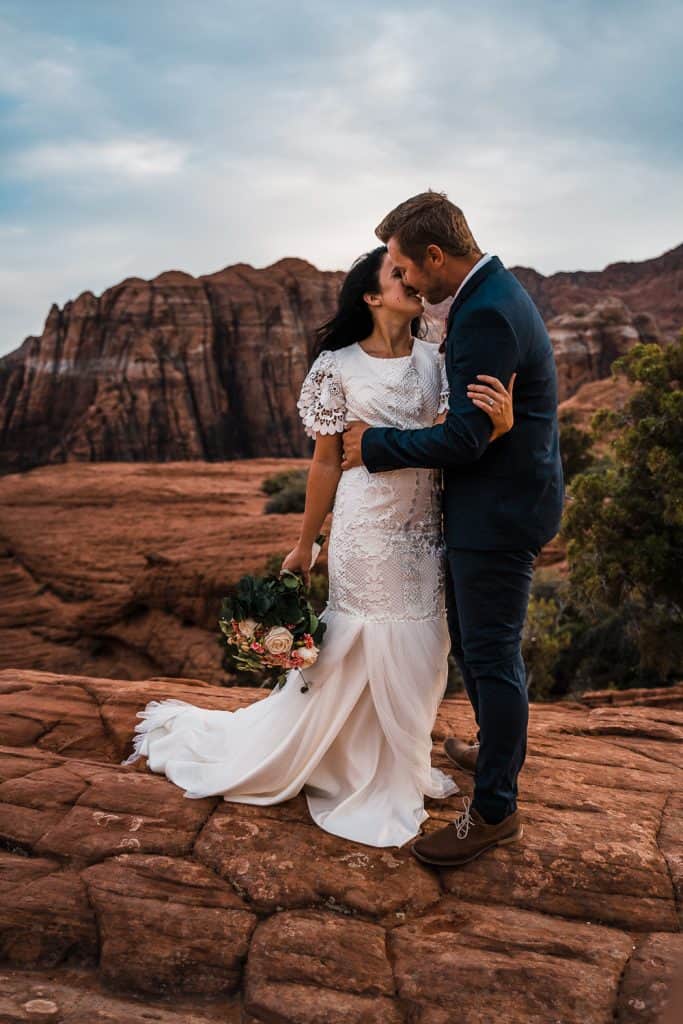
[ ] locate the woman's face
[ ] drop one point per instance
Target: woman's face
(394, 295)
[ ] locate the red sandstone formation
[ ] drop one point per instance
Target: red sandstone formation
(588, 340)
(120, 900)
(209, 368)
(118, 569)
(610, 393)
(649, 288)
(174, 368)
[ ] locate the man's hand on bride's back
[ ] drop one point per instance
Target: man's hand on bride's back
(493, 398)
(353, 440)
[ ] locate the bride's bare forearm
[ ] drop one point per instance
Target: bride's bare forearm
(323, 479)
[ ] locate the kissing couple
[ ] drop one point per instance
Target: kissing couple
(443, 489)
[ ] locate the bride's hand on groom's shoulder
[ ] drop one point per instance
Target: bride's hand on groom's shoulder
(299, 560)
(493, 398)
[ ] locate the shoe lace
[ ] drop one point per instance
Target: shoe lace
(463, 821)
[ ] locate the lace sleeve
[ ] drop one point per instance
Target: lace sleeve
(445, 388)
(321, 403)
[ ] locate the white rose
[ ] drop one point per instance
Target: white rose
(309, 655)
(278, 640)
(247, 627)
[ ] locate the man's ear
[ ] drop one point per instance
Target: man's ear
(435, 255)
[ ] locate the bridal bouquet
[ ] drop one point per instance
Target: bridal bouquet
(269, 626)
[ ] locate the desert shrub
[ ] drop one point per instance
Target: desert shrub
(280, 481)
(568, 649)
(287, 491)
(624, 525)
(456, 683)
(602, 654)
(292, 499)
(575, 449)
(545, 635)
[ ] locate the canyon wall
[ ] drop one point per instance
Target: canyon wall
(174, 368)
(210, 367)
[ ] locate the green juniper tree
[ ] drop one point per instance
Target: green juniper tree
(575, 448)
(624, 525)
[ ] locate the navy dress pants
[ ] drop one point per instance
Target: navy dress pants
(487, 595)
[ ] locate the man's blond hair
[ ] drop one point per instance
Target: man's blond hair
(429, 218)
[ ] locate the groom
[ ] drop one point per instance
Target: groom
(502, 499)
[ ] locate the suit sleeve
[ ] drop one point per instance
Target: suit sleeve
(480, 343)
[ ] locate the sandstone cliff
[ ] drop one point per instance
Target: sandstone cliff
(587, 340)
(652, 286)
(174, 368)
(120, 900)
(210, 367)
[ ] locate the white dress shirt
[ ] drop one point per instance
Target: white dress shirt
(480, 263)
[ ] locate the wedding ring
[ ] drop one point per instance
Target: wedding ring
(491, 402)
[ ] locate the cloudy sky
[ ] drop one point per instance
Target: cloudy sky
(144, 136)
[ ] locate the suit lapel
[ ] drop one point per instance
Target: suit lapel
(489, 268)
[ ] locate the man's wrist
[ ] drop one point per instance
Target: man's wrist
(362, 442)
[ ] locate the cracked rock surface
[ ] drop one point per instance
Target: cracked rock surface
(117, 569)
(120, 900)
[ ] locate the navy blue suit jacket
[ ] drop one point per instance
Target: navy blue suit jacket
(507, 494)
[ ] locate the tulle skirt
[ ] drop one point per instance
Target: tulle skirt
(357, 742)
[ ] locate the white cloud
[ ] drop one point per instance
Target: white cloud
(202, 138)
(127, 157)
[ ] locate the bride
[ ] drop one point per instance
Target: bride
(358, 741)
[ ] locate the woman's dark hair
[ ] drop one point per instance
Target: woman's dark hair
(353, 320)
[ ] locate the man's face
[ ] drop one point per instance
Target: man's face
(397, 296)
(426, 279)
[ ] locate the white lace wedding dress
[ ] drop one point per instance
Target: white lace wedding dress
(358, 742)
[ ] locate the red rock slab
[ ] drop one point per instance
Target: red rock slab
(77, 996)
(660, 753)
(657, 696)
(45, 915)
(606, 762)
(61, 718)
(35, 800)
(471, 963)
(455, 718)
(189, 929)
(670, 841)
(118, 569)
(84, 717)
(125, 812)
(663, 724)
(603, 842)
(563, 783)
(599, 867)
(653, 982)
(572, 718)
(317, 967)
(84, 811)
(277, 858)
(559, 737)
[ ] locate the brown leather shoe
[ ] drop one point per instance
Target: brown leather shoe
(465, 838)
(463, 755)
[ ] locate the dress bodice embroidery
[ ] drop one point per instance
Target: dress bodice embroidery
(386, 555)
